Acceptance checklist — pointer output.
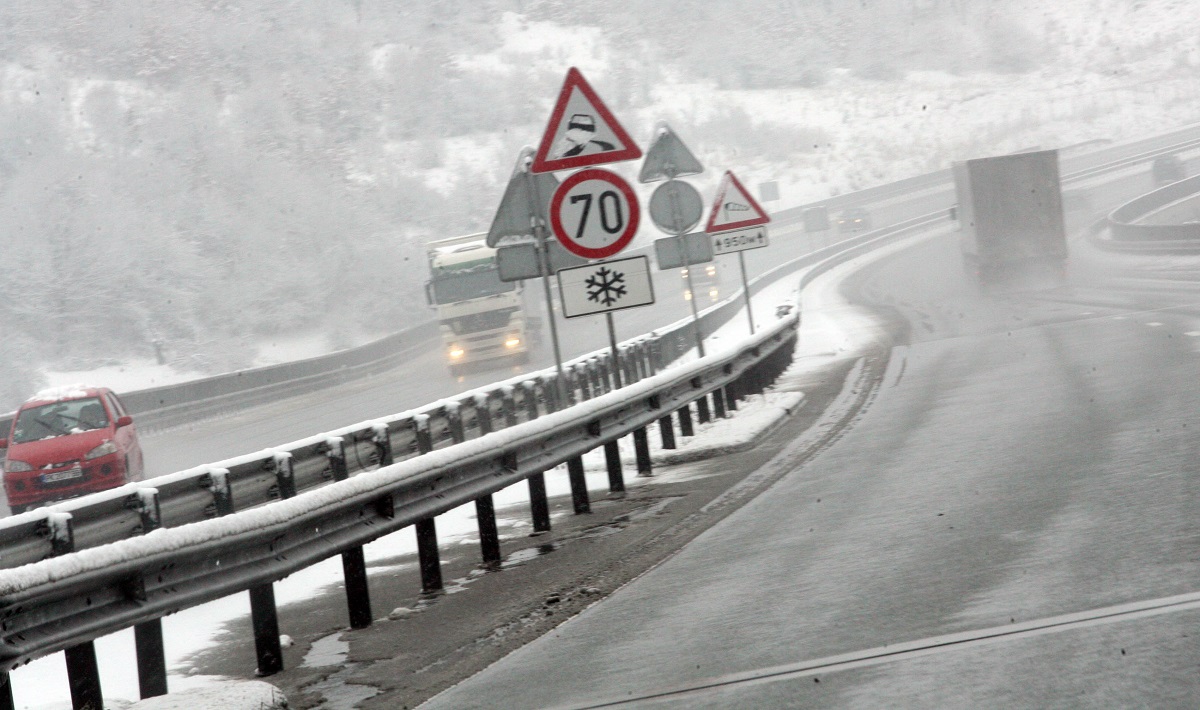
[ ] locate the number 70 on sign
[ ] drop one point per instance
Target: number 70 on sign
(594, 213)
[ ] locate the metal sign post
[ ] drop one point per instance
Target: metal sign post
(740, 241)
(538, 221)
(612, 343)
(746, 290)
(678, 222)
(668, 157)
(737, 223)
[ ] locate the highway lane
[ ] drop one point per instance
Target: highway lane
(1025, 457)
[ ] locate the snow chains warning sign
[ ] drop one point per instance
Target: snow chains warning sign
(606, 286)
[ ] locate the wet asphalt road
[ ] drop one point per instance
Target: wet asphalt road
(1025, 457)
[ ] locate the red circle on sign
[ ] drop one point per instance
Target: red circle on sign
(594, 213)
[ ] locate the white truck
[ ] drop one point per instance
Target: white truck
(483, 319)
(1010, 212)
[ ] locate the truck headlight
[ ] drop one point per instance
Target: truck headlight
(13, 466)
(512, 341)
(102, 450)
(456, 352)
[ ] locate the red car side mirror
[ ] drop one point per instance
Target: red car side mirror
(3, 443)
(124, 421)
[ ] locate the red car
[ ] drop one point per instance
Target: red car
(66, 442)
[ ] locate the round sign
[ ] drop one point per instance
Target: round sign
(594, 213)
(676, 207)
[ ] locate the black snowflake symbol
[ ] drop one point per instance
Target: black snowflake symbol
(605, 286)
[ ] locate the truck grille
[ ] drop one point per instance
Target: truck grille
(477, 322)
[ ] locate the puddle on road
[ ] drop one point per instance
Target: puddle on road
(336, 693)
(328, 651)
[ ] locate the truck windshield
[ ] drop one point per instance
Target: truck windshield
(465, 285)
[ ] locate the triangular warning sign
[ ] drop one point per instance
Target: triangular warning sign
(734, 208)
(667, 157)
(582, 131)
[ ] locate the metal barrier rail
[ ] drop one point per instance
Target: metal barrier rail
(1129, 236)
(61, 602)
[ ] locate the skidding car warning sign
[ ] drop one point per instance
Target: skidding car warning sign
(582, 131)
(734, 208)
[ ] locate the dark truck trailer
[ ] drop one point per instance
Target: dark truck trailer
(1010, 212)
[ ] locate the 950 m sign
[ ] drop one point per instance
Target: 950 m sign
(594, 213)
(740, 240)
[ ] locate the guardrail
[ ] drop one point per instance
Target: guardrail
(457, 454)
(1130, 235)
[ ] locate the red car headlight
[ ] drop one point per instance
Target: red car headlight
(13, 466)
(102, 450)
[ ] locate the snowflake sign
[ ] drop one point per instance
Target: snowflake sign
(606, 286)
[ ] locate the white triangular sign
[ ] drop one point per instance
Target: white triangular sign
(734, 208)
(582, 131)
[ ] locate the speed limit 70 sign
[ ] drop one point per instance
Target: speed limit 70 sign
(594, 213)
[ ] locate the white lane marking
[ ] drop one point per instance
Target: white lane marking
(914, 649)
(1153, 324)
(1193, 334)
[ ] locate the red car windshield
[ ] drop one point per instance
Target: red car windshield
(59, 419)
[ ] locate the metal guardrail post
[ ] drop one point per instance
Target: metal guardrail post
(285, 476)
(666, 430)
(148, 636)
(151, 659)
(83, 673)
(539, 505)
(6, 696)
(584, 377)
(485, 509)
(424, 436)
(702, 413)
(358, 591)
(508, 406)
(579, 491)
(383, 445)
(531, 399)
(730, 398)
(553, 393)
(427, 544)
(354, 566)
(265, 620)
(427, 553)
(641, 447)
(337, 458)
(489, 536)
(222, 493)
(685, 421)
(718, 400)
(454, 415)
(262, 598)
(84, 677)
(612, 460)
(483, 414)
